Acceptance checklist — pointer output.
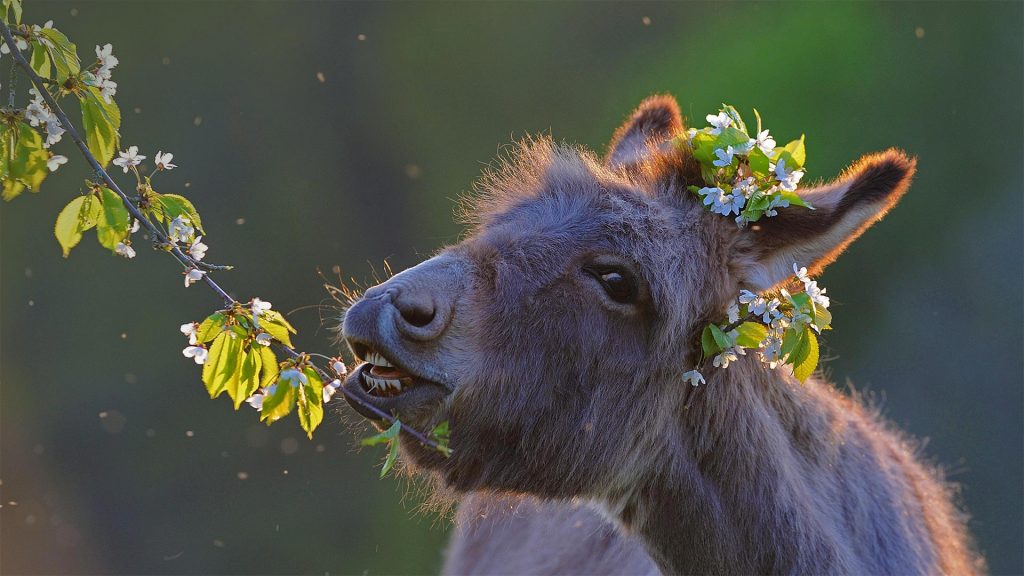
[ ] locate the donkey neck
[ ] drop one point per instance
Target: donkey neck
(734, 493)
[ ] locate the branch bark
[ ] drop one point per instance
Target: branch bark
(183, 258)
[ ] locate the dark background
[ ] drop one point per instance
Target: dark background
(98, 472)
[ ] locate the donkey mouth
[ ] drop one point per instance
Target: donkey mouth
(388, 386)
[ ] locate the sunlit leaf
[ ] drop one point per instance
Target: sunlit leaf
(750, 334)
(101, 121)
(113, 224)
(271, 368)
(78, 216)
(280, 402)
(40, 60)
(310, 403)
(24, 160)
(274, 324)
(708, 343)
(62, 52)
(391, 437)
(215, 360)
(173, 205)
(247, 380)
(806, 360)
(211, 327)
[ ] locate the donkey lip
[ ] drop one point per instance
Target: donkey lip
(414, 393)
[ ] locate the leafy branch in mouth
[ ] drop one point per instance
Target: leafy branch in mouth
(245, 349)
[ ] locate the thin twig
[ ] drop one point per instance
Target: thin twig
(736, 324)
(184, 259)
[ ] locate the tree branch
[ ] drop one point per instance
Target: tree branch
(183, 258)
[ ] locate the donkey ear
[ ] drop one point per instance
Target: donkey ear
(844, 209)
(656, 119)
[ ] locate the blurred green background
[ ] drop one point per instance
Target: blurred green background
(114, 460)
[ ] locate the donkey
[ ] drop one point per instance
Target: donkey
(554, 337)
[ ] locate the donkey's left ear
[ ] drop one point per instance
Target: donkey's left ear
(656, 120)
(843, 210)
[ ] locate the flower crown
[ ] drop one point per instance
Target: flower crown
(752, 178)
(749, 177)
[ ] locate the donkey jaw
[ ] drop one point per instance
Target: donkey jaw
(391, 388)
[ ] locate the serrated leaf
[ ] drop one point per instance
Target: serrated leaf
(385, 436)
(721, 338)
(15, 6)
(796, 200)
(807, 360)
(40, 60)
(174, 205)
(62, 52)
(78, 216)
(113, 224)
(708, 343)
(310, 403)
(273, 323)
(750, 334)
(101, 120)
(248, 379)
(790, 341)
(271, 368)
(758, 162)
(214, 361)
(24, 160)
(280, 402)
(822, 318)
(797, 153)
(229, 368)
(211, 327)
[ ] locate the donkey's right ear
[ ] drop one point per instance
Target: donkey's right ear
(656, 119)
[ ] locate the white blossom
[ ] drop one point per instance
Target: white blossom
(107, 61)
(180, 229)
(771, 310)
(719, 121)
(733, 312)
(817, 294)
(801, 273)
(339, 367)
(197, 353)
(18, 41)
(693, 378)
(260, 306)
(135, 225)
(36, 113)
(54, 131)
(163, 161)
(746, 186)
(129, 158)
(197, 250)
(55, 162)
(108, 90)
(727, 356)
(787, 179)
(330, 389)
(776, 202)
(256, 400)
(192, 276)
(294, 377)
(190, 331)
(263, 339)
(765, 142)
(125, 250)
(724, 156)
(771, 351)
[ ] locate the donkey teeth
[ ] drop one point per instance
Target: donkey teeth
(374, 357)
(382, 383)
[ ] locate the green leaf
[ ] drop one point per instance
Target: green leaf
(280, 402)
(795, 200)
(78, 216)
(737, 120)
(40, 60)
(790, 341)
(758, 162)
(391, 437)
(62, 52)
(271, 368)
(211, 327)
(229, 368)
(708, 343)
(101, 121)
(248, 379)
(172, 205)
(14, 5)
(822, 318)
(721, 338)
(24, 160)
(750, 334)
(440, 434)
(797, 154)
(807, 359)
(758, 116)
(273, 323)
(311, 410)
(113, 224)
(215, 359)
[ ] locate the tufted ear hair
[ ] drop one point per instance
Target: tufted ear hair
(844, 209)
(656, 119)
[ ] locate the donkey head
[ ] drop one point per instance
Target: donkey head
(554, 337)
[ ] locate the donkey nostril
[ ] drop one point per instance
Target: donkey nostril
(416, 309)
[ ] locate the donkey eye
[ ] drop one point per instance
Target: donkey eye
(619, 284)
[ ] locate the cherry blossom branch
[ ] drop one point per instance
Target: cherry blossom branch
(734, 325)
(161, 239)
